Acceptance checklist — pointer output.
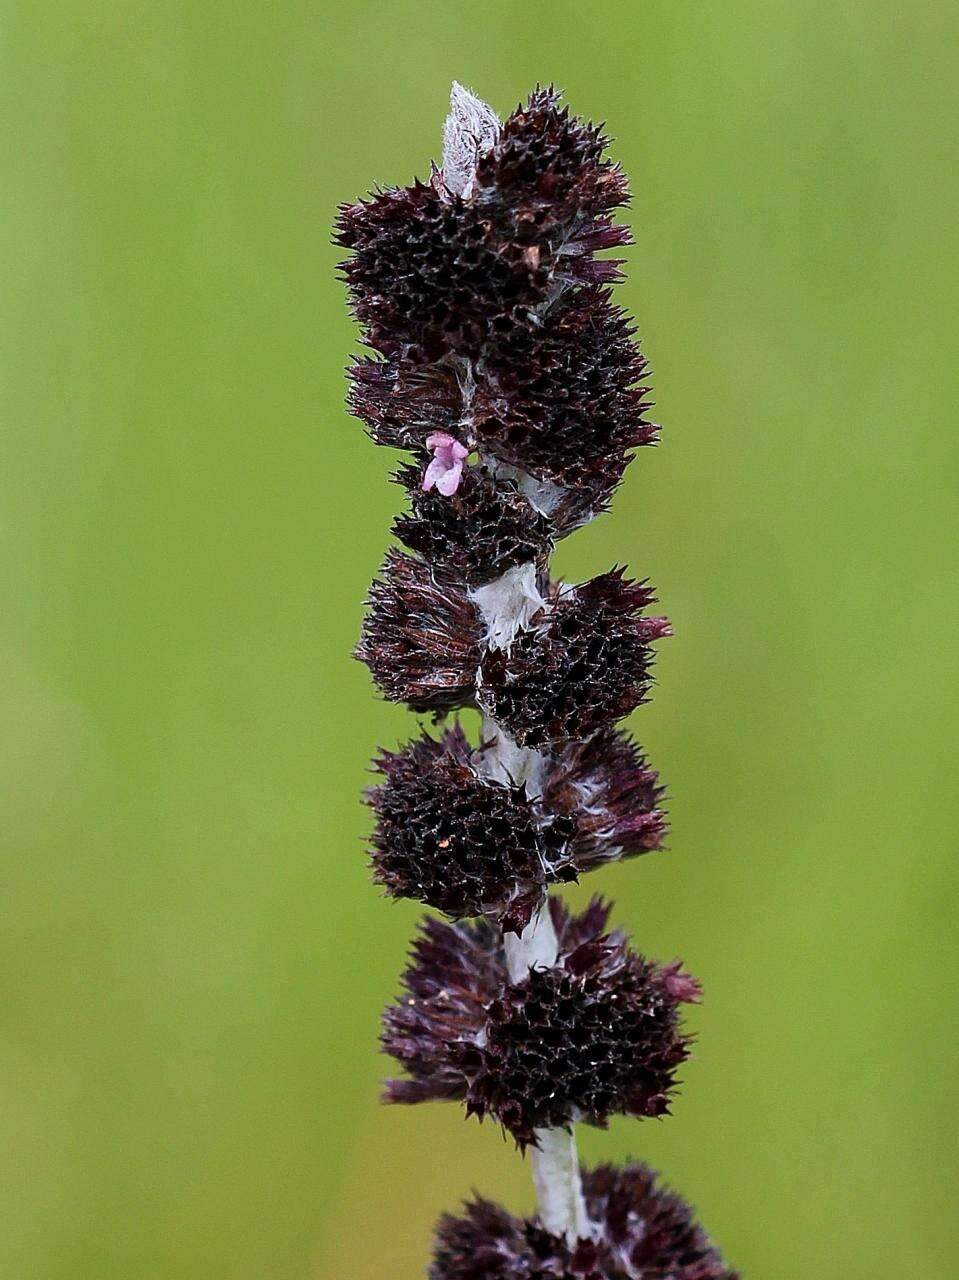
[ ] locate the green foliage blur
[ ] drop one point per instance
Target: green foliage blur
(193, 958)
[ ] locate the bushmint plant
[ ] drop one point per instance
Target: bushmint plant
(500, 365)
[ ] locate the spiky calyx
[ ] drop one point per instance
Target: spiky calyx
(459, 842)
(420, 641)
(595, 1035)
(641, 1232)
(468, 845)
(582, 663)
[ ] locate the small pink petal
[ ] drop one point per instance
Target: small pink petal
(449, 481)
(446, 469)
(434, 471)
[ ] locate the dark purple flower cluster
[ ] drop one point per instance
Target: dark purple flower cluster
(460, 842)
(499, 364)
(432, 273)
(579, 665)
(476, 534)
(421, 641)
(468, 844)
(641, 1232)
(595, 1035)
(490, 324)
(582, 661)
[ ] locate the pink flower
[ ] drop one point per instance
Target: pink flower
(446, 469)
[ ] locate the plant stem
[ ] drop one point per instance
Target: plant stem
(559, 1189)
(506, 605)
(554, 1159)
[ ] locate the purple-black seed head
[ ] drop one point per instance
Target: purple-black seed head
(460, 842)
(431, 273)
(565, 399)
(420, 640)
(595, 1035)
(468, 845)
(543, 154)
(642, 1232)
(584, 662)
(474, 536)
(403, 406)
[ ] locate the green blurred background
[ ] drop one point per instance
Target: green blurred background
(193, 957)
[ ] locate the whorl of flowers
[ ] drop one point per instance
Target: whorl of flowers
(595, 1035)
(499, 365)
(456, 839)
(580, 660)
(640, 1230)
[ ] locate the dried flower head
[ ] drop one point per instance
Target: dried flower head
(432, 272)
(402, 406)
(460, 842)
(583, 663)
(640, 1232)
(564, 399)
(593, 1036)
(615, 800)
(544, 156)
(421, 641)
(455, 839)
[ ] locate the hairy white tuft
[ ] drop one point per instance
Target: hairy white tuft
(508, 604)
(470, 130)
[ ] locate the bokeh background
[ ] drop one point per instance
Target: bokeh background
(193, 958)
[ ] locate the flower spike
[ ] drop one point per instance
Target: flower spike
(497, 362)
